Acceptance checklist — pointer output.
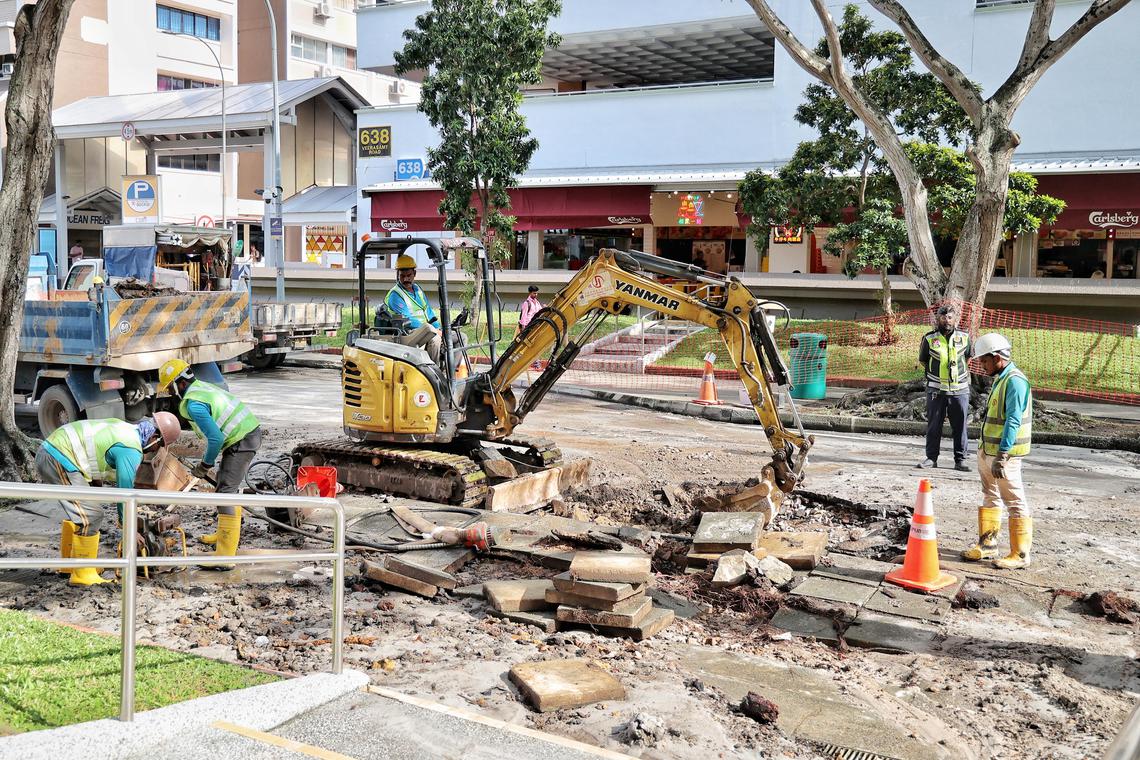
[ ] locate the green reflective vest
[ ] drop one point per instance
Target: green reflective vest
(994, 425)
(420, 311)
(85, 443)
(946, 367)
(233, 418)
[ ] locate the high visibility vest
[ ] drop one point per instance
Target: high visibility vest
(233, 418)
(418, 310)
(995, 419)
(85, 443)
(953, 374)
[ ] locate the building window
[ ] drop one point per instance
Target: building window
(187, 22)
(198, 162)
(345, 57)
(167, 82)
(308, 49)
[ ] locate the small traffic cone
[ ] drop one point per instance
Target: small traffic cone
(920, 568)
(707, 395)
(461, 370)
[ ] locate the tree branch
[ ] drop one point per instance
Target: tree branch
(799, 52)
(1037, 35)
(950, 75)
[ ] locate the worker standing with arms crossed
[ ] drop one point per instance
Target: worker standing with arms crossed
(1006, 434)
(944, 354)
(229, 429)
(107, 450)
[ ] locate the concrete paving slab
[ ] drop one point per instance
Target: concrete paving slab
(876, 631)
(542, 619)
(805, 624)
(560, 684)
(626, 614)
(598, 589)
(802, 551)
(525, 595)
(895, 601)
(832, 590)
(656, 621)
(725, 531)
(845, 567)
(681, 606)
(611, 567)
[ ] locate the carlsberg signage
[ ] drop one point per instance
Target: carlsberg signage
(1114, 219)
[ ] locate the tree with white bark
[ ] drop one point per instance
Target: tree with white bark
(27, 163)
(993, 140)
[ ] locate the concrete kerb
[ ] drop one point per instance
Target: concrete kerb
(833, 423)
(155, 733)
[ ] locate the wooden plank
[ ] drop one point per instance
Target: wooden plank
(612, 567)
(613, 592)
(389, 578)
(802, 551)
(625, 614)
(656, 621)
(561, 684)
(554, 596)
(398, 564)
(518, 595)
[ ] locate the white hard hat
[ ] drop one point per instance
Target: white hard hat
(991, 343)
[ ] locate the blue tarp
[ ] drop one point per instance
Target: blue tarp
(131, 261)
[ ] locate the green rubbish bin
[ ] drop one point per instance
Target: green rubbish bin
(809, 365)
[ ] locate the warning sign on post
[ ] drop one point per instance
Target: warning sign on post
(374, 142)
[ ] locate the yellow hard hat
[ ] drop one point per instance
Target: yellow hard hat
(405, 262)
(169, 372)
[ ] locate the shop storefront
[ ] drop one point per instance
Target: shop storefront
(1098, 234)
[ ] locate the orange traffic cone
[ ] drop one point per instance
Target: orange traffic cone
(461, 370)
(920, 568)
(707, 395)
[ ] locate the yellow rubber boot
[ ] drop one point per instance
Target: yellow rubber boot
(209, 539)
(66, 534)
(85, 547)
(229, 534)
(989, 523)
(1020, 544)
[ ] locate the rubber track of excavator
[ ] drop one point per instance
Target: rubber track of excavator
(418, 473)
(541, 453)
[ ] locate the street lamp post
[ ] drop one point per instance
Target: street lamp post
(222, 80)
(278, 243)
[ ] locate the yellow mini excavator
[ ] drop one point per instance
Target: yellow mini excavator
(414, 429)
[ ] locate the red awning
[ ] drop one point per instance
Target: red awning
(536, 208)
(1094, 200)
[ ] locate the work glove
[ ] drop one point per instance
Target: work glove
(997, 469)
(201, 470)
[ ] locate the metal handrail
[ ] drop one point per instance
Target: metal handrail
(130, 562)
(1126, 745)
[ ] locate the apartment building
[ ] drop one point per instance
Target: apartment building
(653, 110)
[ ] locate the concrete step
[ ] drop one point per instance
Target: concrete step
(623, 349)
(593, 363)
(656, 340)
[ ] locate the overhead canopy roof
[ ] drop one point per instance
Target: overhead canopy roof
(708, 51)
(248, 107)
(321, 205)
(659, 177)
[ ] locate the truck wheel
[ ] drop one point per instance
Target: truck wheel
(279, 359)
(57, 408)
(260, 361)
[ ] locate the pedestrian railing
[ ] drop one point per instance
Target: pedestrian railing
(1126, 746)
(128, 565)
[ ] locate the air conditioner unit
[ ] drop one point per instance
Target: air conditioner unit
(327, 71)
(7, 69)
(323, 10)
(398, 87)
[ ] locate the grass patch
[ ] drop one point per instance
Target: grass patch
(52, 675)
(1053, 359)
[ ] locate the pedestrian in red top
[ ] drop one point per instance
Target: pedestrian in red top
(529, 307)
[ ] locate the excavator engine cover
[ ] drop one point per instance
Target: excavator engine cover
(389, 389)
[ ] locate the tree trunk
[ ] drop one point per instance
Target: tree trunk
(31, 142)
(887, 334)
(984, 227)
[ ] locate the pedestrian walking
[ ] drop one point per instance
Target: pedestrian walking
(109, 451)
(529, 307)
(230, 430)
(943, 355)
(1006, 436)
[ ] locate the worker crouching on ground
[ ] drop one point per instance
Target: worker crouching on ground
(944, 354)
(407, 299)
(109, 451)
(1006, 434)
(229, 429)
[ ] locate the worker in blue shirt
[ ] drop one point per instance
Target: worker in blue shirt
(407, 300)
(1007, 432)
(109, 451)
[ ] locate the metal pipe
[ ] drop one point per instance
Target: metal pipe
(278, 243)
(127, 622)
(338, 593)
(487, 302)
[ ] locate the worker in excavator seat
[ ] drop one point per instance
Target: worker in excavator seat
(407, 300)
(109, 451)
(230, 430)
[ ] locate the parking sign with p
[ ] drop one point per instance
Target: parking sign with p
(141, 199)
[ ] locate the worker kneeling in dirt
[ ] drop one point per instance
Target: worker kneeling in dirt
(407, 299)
(1006, 433)
(106, 450)
(230, 429)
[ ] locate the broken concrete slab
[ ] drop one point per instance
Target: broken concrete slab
(626, 614)
(778, 572)
(832, 590)
(474, 591)
(805, 624)
(733, 568)
(845, 567)
(525, 595)
(536, 487)
(656, 621)
(379, 573)
(705, 559)
(614, 592)
(612, 567)
(398, 564)
(725, 531)
(875, 631)
(543, 620)
(562, 684)
(683, 608)
(896, 601)
(444, 560)
(801, 551)
(554, 596)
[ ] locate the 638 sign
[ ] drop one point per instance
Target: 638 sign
(374, 142)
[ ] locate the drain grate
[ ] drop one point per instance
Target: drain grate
(846, 753)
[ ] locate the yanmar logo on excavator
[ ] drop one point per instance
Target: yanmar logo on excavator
(672, 304)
